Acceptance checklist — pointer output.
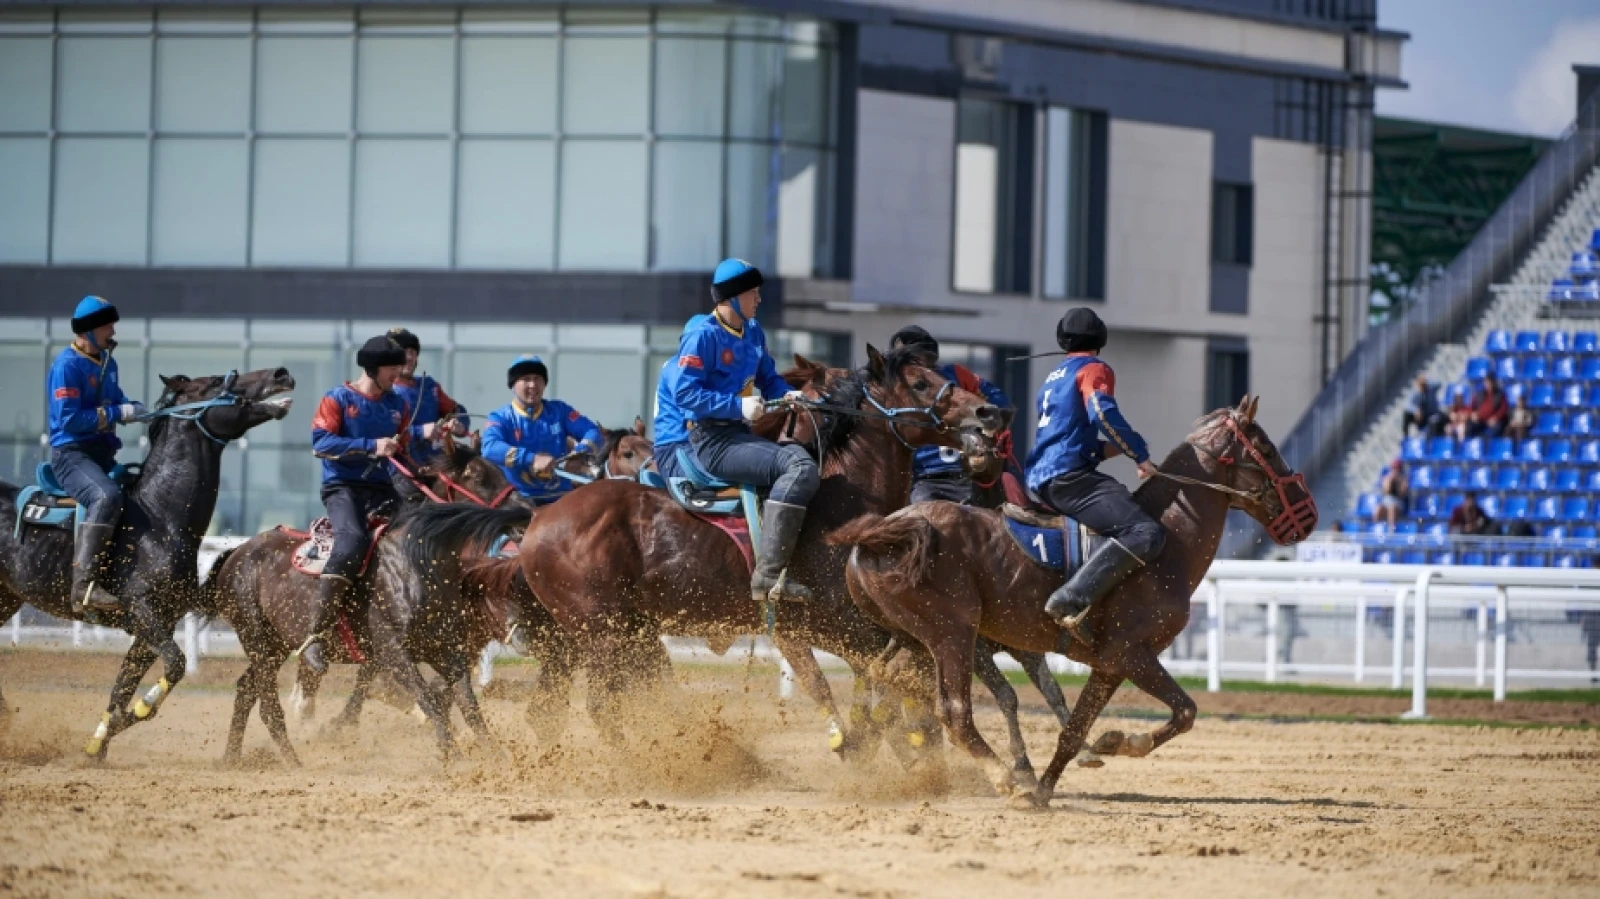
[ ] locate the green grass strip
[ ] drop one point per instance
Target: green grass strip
(1587, 695)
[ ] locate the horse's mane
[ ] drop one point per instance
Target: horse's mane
(1181, 459)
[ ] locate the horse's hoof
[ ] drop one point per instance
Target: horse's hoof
(1028, 801)
(1024, 779)
(1137, 746)
(916, 738)
(1089, 759)
(1110, 743)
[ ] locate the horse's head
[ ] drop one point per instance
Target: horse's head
(462, 474)
(1274, 494)
(226, 406)
(928, 409)
(625, 452)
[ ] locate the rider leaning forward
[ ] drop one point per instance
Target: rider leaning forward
(86, 404)
(937, 472)
(718, 383)
(527, 435)
(1076, 407)
(429, 404)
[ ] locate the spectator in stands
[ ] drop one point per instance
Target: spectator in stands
(1394, 495)
(1521, 420)
(1489, 409)
(1422, 411)
(1469, 519)
(1460, 420)
(1516, 529)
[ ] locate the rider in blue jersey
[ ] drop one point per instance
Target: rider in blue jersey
(937, 472)
(1077, 406)
(526, 436)
(428, 401)
(86, 404)
(722, 380)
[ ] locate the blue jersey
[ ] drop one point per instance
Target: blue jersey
(1076, 406)
(943, 461)
(512, 437)
(345, 431)
(84, 399)
(431, 404)
(715, 368)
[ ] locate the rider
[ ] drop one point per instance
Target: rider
(86, 403)
(1076, 407)
(357, 426)
(427, 400)
(936, 471)
(722, 379)
(527, 435)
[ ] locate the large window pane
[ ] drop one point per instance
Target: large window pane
(105, 84)
(690, 76)
(302, 203)
(25, 82)
(993, 194)
(315, 369)
(687, 229)
(1060, 224)
(607, 387)
(283, 487)
(750, 174)
(603, 191)
(506, 213)
(102, 200)
(201, 190)
(807, 71)
(479, 377)
(403, 203)
(800, 213)
(24, 199)
(203, 84)
(508, 85)
(753, 95)
(22, 404)
(605, 85)
(303, 85)
(406, 85)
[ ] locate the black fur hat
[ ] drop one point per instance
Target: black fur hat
(380, 351)
(1080, 330)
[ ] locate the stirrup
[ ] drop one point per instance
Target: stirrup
(1078, 628)
(87, 602)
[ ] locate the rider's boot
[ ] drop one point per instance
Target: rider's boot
(91, 562)
(331, 592)
(1070, 604)
(780, 531)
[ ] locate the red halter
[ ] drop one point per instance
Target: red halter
(451, 488)
(1297, 519)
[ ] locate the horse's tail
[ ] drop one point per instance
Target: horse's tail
(902, 546)
(208, 604)
(438, 535)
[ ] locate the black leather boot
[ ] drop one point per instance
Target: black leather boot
(91, 561)
(1070, 604)
(331, 592)
(780, 531)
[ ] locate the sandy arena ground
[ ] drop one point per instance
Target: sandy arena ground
(732, 794)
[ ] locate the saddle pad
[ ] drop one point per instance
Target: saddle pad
(311, 556)
(40, 509)
(1044, 546)
(738, 530)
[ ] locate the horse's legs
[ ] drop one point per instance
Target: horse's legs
(116, 718)
(983, 665)
(1144, 668)
(272, 710)
(1038, 668)
(10, 604)
(953, 667)
(467, 698)
(244, 699)
(808, 673)
(392, 655)
(350, 715)
(303, 701)
(1091, 702)
(552, 692)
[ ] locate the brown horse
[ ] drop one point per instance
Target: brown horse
(943, 574)
(256, 589)
(619, 564)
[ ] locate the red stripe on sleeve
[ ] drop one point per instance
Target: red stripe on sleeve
(691, 362)
(1096, 377)
(329, 416)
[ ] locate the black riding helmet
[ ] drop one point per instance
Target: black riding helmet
(1080, 330)
(406, 339)
(378, 352)
(915, 336)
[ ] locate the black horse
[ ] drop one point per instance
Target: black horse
(158, 540)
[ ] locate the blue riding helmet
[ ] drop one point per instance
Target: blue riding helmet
(732, 278)
(91, 313)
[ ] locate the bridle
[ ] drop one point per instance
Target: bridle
(879, 412)
(196, 411)
(1295, 520)
(452, 488)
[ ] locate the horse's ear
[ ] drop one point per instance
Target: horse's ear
(174, 383)
(477, 442)
(449, 446)
(638, 425)
(876, 367)
(1255, 403)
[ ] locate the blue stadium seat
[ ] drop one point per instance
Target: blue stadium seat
(1542, 395)
(1382, 557)
(1575, 509)
(1570, 560)
(1591, 483)
(1377, 529)
(1587, 293)
(1564, 368)
(1582, 424)
(1502, 449)
(1589, 452)
(1490, 505)
(1569, 480)
(1583, 265)
(1531, 560)
(1508, 478)
(1560, 290)
(1557, 342)
(1445, 558)
(1531, 451)
(1413, 557)
(1589, 368)
(1594, 240)
(1498, 343)
(1584, 532)
(1594, 397)
(1572, 396)
(1505, 368)
(1557, 532)
(1558, 451)
(1526, 342)
(1472, 449)
(1450, 502)
(1546, 510)
(1437, 530)
(1515, 390)
(1585, 342)
(1533, 368)
(1449, 477)
(1477, 367)
(1538, 480)
(1422, 477)
(1473, 558)
(1366, 505)
(1428, 505)
(1414, 449)
(1504, 559)
(1441, 449)
(1481, 477)
(1515, 508)
(1406, 528)
(1548, 424)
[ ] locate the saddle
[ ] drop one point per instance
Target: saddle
(316, 545)
(47, 504)
(1050, 541)
(712, 500)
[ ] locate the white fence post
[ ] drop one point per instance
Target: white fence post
(1397, 665)
(785, 678)
(1361, 638)
(1214, 612)
(191, 643)
(486, 664)
(1272, 641)
(1482, 655)
(1502, 625)
(77, 633)
(1419, 660)
(16, 628)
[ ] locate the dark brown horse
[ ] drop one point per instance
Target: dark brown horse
(942, 574)
(620, 564)
(257, 590)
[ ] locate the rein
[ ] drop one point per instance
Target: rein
(879, 412)
(451, 487)
(195, 412)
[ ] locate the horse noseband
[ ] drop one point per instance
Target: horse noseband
(1295, 520)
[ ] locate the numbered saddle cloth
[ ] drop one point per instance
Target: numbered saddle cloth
(1050, 541)
(311, 556)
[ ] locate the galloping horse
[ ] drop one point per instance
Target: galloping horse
(158, 539)
(943, 574)
(619, 563)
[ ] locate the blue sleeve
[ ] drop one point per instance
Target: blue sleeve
(115, 397)
(768, 381)
(498, 448)
(327, 437)
(1108, 418)
(581, 429)
(67, 409)
(993, 394)
(690, 390)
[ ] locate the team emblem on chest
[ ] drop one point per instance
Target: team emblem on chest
(727, 357)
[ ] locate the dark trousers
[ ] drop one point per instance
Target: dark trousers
(82, 470)
(735, 455)
(954, 489)
(349, 505)
(1100, 502)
